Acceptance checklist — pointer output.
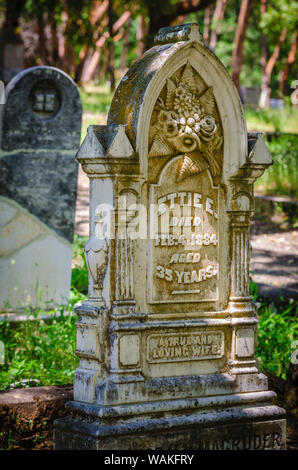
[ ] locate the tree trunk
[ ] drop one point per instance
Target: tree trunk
(42, 47)
(163, 13)
(111, 49)
(207, 22)
(98, 12)
(104, 67)
(237, 57)
(83, 56)
(141, 35)
(265, 102)
(126, 39)
(218, 16)
(290, 61)
(92, 65)
(55, 41)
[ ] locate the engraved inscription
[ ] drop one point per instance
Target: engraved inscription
(253, 441)
(185, 239)
(177, 347)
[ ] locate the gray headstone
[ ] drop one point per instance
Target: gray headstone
(40, 134)
(250, 95)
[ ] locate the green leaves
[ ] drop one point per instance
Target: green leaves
(278, 328)
(39, 352)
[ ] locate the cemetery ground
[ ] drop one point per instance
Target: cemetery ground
(40, 352)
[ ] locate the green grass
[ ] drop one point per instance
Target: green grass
(41, 352)
(79, 275)
(277, 331)
(96, 98)
(281, 179)
(38, 352)
(273, 120)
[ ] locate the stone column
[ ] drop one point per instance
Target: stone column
(241, 304)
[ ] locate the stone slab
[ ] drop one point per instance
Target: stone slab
(43, 110)
(27, 415)
(44, 183)
(263, 435)
(35, 260)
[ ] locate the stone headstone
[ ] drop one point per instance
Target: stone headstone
(40, 134)
(277, 103)
(166, 339)
(250, 95)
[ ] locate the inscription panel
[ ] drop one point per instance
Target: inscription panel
(183, 256)
(177, 347)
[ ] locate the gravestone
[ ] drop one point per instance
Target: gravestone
(166, 339)
(40, 133)
(250, 95)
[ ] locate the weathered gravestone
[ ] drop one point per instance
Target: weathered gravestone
(167, 337)
(40, 133)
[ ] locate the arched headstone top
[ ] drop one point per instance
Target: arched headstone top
(181, 63)
(42, 110)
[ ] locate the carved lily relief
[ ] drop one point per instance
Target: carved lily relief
(186, 123)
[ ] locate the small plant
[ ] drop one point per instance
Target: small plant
(79, 277)
(282, 177)
(38, 352)
(277, 329)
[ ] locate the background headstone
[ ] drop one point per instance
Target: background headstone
(250, 95)
(40, 133)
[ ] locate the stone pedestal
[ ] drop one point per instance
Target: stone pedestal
(166, 340)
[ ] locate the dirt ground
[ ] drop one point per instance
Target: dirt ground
(274, 260)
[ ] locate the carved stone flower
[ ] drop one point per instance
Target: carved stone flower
(186, 125)
(208, 126)
(171, 128)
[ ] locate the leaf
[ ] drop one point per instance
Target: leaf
(160, 147)
(207, 101)
(170, 94)
(188, 78)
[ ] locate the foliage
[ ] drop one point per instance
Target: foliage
(273, 120)
(96, 99)
(81, 24)
(282, 177)
(277, 329)
(79, 276)
(39, 352)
